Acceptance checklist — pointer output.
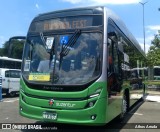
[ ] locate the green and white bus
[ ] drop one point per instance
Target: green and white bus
(78, 67)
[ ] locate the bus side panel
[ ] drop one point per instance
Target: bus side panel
(114, 106)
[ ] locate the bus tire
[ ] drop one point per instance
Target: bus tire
(124, 107)
(12, 94)
(7, 93)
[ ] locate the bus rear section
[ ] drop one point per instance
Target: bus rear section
(10, 81)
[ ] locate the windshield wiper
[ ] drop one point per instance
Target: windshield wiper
(66, 48)
(52, 53)
(42, 38)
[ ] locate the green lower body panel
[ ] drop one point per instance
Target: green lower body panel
(95, 115)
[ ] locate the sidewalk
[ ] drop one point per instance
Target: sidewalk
(153, 98)
(153, 95)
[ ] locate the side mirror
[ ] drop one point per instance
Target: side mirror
(11, 44)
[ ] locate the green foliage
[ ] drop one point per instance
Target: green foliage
(17, 49)
(153, 56)
(151, 82)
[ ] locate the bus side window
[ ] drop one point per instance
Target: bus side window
(112, 80)
(115, 58)
(110, 57)
(7, 73)
(114, 65)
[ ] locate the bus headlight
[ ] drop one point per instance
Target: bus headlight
(21, 109)
(93, 117)
(93, 98)
(90, 104)
(96, 93)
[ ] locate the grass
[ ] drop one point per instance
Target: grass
(153, 82)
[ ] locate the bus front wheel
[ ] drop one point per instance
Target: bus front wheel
(124, 107)
(12, 94)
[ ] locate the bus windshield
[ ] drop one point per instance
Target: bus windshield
(80, 64)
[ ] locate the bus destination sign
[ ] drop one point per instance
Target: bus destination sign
(51, 25)
(62, 23)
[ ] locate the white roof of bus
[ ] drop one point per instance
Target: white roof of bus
(156, 66)
(10, 69)
(110, 14)
(9, 59)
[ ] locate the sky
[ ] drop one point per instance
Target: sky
(16, 15)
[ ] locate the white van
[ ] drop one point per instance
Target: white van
(10, 80)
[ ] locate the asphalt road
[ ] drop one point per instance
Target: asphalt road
(142, 115)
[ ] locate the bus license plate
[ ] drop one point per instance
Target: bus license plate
(48, 115)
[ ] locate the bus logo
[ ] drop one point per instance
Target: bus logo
(51, 102)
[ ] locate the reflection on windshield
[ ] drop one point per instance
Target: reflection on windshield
(79, 66)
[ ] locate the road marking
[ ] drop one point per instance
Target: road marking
(11, 100)
(135, 113)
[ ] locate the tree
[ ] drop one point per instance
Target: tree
(17, 49)
(153, 56)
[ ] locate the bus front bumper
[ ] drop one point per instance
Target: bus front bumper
(88, 116)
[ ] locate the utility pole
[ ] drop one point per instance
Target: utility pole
(143, 25)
